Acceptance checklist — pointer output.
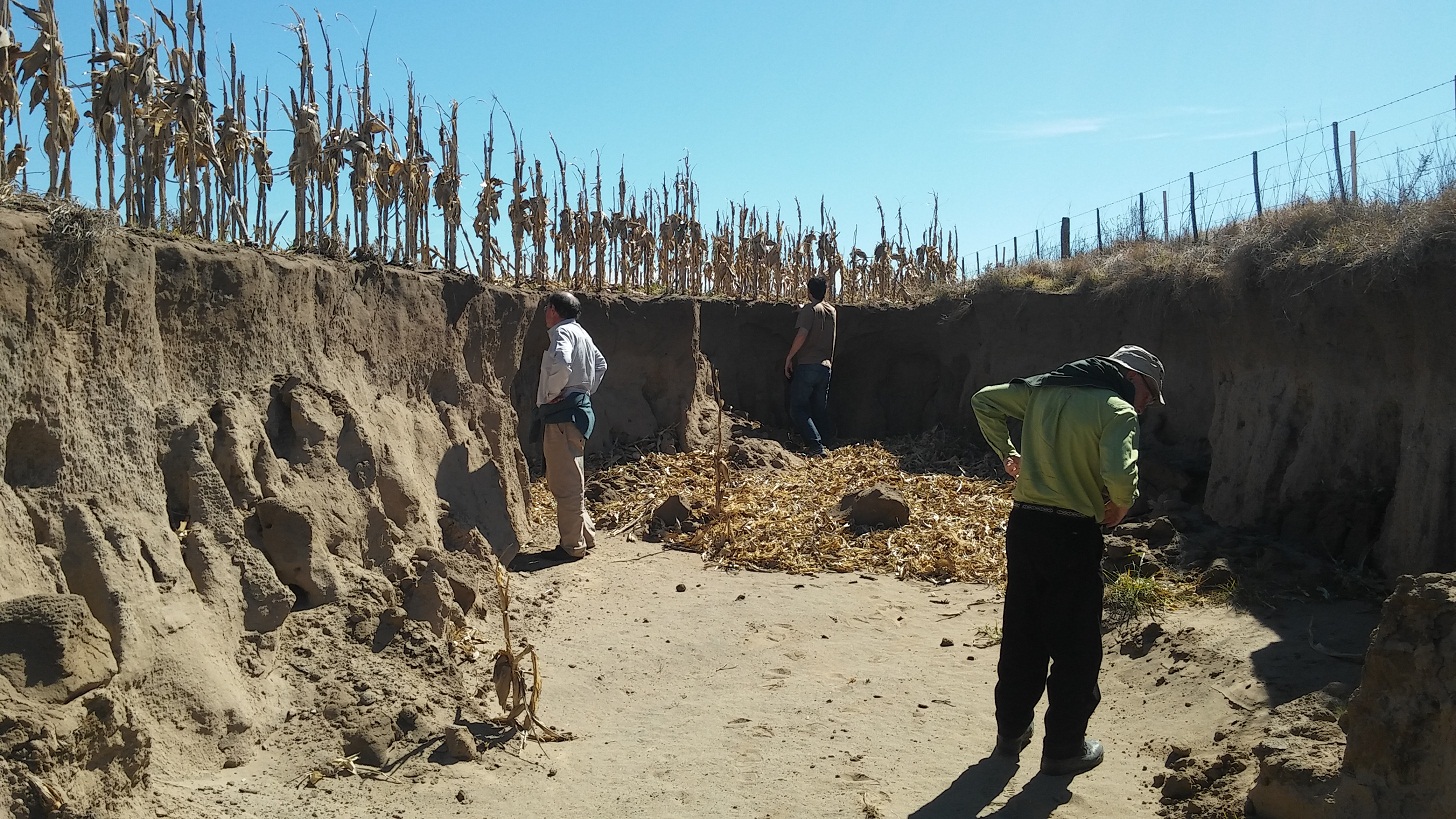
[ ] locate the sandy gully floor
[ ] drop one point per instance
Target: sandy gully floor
(765, 695)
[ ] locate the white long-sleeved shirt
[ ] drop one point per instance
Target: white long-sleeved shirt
(571, 363)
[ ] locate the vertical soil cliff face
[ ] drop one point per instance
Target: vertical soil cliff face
(201, 440)
(1320, 411)
(181, 382)
(1334, 416)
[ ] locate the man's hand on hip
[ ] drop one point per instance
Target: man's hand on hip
(1013, 466)
(1112, 514)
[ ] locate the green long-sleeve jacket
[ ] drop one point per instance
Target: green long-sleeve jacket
(1075, 442)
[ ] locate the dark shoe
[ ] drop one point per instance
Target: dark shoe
(1090, 758)
(1011, 747)
(560, 553)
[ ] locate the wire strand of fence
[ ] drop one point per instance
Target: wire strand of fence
(1307, 161)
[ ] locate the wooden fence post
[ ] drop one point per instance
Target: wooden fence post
(1354, 177)
(1165, 216)
(1099, 228)
(1193, 206)
(1015, 251)
(1066, 237)
(1339, 174)
(1142, 222)
(1258, 199)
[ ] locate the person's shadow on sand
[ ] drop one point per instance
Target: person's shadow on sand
(981, 783)
(527, 562)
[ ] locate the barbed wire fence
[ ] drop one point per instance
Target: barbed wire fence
(1402, 150)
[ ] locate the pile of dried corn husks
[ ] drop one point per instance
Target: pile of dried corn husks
(784, 519)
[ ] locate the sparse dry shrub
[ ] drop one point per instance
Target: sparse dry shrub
(1288, 237)
(1048, 276)
(1110, 272)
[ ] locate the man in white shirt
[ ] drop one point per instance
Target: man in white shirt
(571, 370)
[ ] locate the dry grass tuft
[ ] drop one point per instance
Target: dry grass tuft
(784, 519)
(1131, 596)
(76, 235)
(1299, 247)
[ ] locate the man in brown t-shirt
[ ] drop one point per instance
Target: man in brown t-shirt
(808, 366)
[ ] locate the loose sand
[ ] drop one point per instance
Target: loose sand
(770, 695)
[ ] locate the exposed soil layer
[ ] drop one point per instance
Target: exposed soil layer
(226, 473)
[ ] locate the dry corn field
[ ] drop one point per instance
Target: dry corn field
(784, 519)
(179, 151)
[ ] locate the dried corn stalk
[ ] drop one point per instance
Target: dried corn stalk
(263, 166)
(307, 157)
(44, 66)
(235, 146)
(184, 105)
(414, 181)
(516, 696)
(363, 161)
(10, 56)
(447, 183)
(149, 101)
(487, 207)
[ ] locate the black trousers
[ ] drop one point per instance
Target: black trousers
(1053, 614)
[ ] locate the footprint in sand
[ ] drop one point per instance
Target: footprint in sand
(776, 677)
(766, 634)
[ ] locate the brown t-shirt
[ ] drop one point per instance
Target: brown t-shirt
(818, 318)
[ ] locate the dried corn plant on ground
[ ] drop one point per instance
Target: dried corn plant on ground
(780, 511)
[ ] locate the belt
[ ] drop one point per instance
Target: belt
(1050, 510)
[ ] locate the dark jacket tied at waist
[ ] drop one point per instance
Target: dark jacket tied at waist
(574, 408)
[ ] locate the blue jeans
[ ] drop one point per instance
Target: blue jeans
(809, 403)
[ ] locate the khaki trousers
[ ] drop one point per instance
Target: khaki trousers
(564, 445)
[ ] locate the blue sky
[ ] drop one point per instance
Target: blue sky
(1015, 114)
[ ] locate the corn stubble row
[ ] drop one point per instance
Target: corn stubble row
(177, 150)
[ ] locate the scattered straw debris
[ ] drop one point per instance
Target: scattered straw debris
(987, 636)
(784, 519)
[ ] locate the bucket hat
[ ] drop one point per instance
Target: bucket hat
(1141, 361)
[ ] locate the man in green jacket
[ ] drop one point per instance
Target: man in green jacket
(1076, 471)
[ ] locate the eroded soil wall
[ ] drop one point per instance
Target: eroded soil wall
(199, 440)
(1323, 412)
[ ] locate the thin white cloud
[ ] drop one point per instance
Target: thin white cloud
(1196, 111)
(1051, 129)
(1252, 132)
